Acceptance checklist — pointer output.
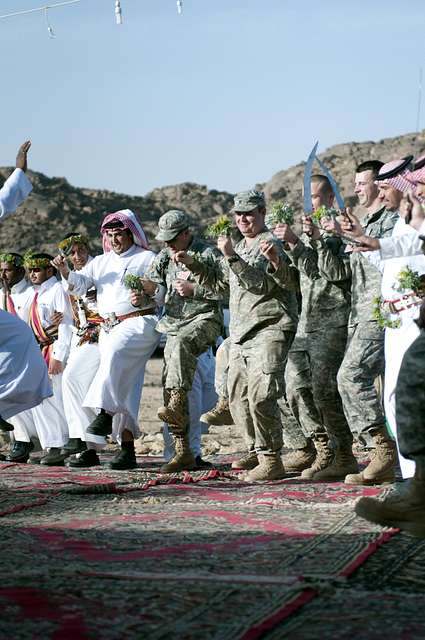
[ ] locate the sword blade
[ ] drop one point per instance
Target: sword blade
(308, 170)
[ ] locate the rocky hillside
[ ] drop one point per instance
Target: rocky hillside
(55, 207)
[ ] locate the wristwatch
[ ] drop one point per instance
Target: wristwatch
(232, 259)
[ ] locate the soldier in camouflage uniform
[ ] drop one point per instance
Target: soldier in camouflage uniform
(319, 346)
(293, 435)
(193, 320)
(406, 509)
(364, 358)
(263, 318)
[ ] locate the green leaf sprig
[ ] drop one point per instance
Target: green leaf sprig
(382, 314)
(323, 212)
(280, 213)
(409, 280)
(133, 282)
(221, 227)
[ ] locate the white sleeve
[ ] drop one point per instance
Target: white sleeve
(408, 244)
(79, 282)
(14, 191)
(62, 345)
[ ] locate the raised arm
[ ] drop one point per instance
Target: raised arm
(17, 187)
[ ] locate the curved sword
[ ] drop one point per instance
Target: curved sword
(308, 171)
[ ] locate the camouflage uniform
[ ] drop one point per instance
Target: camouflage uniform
(319, 345)
(410, 401)
(292, 434)
(263, 319)
(192, 324)
(364, 357)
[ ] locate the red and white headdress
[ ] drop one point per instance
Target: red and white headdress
(395, 173)
(130, 221)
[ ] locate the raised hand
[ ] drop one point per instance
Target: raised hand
(61, 265)
(182, 257)
(224, 243)
(184, 288)
(284, 233)
(269, 251)
(350, 225)
(310, 228)
(21, 158)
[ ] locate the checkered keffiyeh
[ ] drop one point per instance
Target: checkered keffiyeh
(416, 176)
(400, 181)
(131, 222)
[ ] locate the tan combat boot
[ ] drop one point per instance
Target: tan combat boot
(219, 415)
(297, 460)
(404, 510)
(175, 411)
(324, 456)
(343, 463)
(247, 462)
(183, 459)
(382, 461)
(269, 467)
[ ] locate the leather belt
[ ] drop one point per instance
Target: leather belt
(113, 320)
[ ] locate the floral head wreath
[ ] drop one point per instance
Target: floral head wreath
(66, 244)
(17, 261)
(30, 262)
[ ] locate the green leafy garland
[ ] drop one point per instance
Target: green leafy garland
(35, 263)
(66, 244)
(17, 261)
(134, 282)
(280, 213)
(382, 314)
(221, 227)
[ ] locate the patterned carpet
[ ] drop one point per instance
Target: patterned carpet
(104, 554)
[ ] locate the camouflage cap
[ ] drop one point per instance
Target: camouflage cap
(248, 200)
(171, 223)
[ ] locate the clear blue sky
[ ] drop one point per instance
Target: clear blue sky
(225, 95)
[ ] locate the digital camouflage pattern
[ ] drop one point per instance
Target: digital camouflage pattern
(256, 383)
(263, 318)
(319, 345)
(192, 324)
(363, 362)
(366, 279)
(410, 401)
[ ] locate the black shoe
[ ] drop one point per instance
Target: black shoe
(20, 451)
(5, 426)
(126, 459)
(74, 445)
(54, 457)
(87, 458)
(203, 464)
(101, 425)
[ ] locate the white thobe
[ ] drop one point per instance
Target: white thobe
(201, 398)
(22, 294)
(125, 350)
(408, 244)
(14, 191)
(49, 416)
(81, 367)
(398, 340)
(23, 374)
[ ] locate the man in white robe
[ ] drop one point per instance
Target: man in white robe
(54, 340)
(128, 335)
(23, 374)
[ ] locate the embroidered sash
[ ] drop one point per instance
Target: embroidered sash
(8, 303)
(44, 337)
